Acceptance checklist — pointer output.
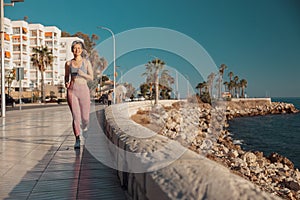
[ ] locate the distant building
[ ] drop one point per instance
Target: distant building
(226, 95)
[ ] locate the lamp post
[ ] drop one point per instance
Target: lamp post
(176, 84)
(114, 59)
(2, 4)
(187, 85)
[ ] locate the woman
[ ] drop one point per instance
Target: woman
(77, 72)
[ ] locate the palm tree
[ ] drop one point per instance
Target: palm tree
(236, 85)
(165, 82)
(41, 58)
(243, 84)
(152, 71)
(166, 79)
(144, 88)
(226, 84)
(220, 79)
(231, 86)
(149, 77)
(210, 81)
(200, 86)
(230, 74)
(99, 64)
(9, 78)
(129, 90)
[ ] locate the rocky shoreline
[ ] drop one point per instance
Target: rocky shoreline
(202, 128)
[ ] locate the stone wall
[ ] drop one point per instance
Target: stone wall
(155, 167)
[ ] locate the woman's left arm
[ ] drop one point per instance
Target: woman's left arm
(89, 75)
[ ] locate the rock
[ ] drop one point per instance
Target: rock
(275, 157)
(261, 162)
(292, 185)
(259, 154)
(279, 165)
(253, 178)
(276, 178)
(249, 157)
(233, 154)
(246, 171)
(201, 129)
(225, 150)
(297, 175)
(240, 163)
(256, 169)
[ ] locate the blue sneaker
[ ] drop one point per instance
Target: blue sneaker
(77, 144)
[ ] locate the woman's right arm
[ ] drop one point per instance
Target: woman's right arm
(67, 74)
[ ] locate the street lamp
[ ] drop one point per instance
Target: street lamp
(114, 63)
(2, 4)
(187, 85)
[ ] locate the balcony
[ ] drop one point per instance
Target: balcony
(16, 57)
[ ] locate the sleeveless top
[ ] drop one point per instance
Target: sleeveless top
(74, 70)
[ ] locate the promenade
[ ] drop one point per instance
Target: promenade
(38, 161)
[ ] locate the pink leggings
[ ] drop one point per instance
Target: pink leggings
(79, 102)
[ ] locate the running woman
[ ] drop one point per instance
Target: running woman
(77, 72)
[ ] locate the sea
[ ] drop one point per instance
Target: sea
(271, 133)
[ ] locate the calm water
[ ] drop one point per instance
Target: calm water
(271, 133)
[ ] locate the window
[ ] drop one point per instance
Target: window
(48, 75)
(32, 75)
(63, 44)
(24, 47)
(16, 48)
(17, 57)
(16, 39)
(33, 42)
(33, 33)
(16, 30)
(32, 66)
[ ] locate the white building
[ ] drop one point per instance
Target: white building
(37, 36)
(7, 44)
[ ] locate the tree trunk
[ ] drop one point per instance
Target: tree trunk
(220, 88)
(42, 87)
(156, 88)
(243, 92)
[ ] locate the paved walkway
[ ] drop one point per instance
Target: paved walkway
(37, 159)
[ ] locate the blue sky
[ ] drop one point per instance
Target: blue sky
(259, 40)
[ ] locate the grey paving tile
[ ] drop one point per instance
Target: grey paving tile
(58, 175)
(53, 195)
(47, 167)
(23, 187)
(16, 196)
(32, 175)
(98, 183)
(56, 185)
(59, 167)
(39, 167)
(103, 194)
(96, 173)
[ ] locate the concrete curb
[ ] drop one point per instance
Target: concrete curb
(190, 176)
